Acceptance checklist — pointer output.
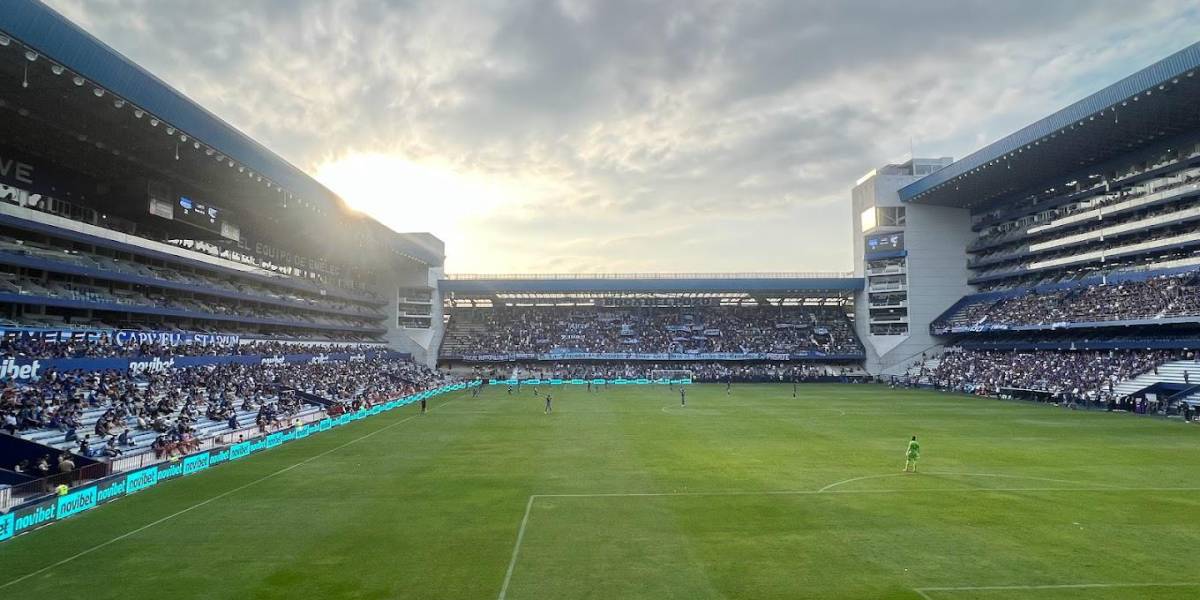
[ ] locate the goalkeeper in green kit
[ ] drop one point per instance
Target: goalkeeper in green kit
(912, 455)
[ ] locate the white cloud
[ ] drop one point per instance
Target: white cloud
(622, 135)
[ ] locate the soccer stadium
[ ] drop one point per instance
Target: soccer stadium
(221, 381)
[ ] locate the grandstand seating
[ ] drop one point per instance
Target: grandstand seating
(700, 371)
(1161, 297)
(649, 330)
(194, 404)
(1093, 375)
(1140, 218)
(1179, 372)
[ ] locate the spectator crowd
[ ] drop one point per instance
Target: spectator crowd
(1073, 376)
(175, 402)
(700, 371)
(1157, 297)
(693, 330)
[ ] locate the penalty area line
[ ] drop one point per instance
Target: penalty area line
(209, 500)
(827, 491)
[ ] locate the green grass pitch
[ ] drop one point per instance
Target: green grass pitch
(624, 494)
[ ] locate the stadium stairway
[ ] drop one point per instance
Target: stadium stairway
(914, 372)
(205, 430)
(1170, 372)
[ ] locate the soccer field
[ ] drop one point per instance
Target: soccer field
(625, 494)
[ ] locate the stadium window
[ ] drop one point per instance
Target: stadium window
(869, 221)
(892, 216)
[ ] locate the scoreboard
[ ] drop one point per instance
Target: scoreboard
(199, 214)
(889, 242)
(190, 211)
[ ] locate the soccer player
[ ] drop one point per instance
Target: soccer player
(793, 388)
(682, 396)
(728, 384)
(549, 408)
(423, 406)
(912, 455)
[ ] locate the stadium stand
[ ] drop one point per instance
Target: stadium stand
(779, 327)
(104, 414)
(651, 330)
(700, 372)
(168, 284)
(1080, 261)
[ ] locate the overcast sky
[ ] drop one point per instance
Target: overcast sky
(629, 136)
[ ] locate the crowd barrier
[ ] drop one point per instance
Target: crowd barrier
(44, 511)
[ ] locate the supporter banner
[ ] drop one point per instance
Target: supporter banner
(48, 510)
(28, 369)
(664, 356)
(120, 336)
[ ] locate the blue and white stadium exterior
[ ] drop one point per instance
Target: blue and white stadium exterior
(1102, 191)
(126, 206)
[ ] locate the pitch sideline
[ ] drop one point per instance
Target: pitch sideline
(212, 499)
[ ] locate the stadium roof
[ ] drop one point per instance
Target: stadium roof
(1151, 106)
(652, 283)
(61, 67)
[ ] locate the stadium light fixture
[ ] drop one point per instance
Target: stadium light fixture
(30, 55)
(170, 131)
(153, 122)
(5, 40)
(183, 138)
(208, 152)
(98, 92)
(118, 103)
(78, 81)
(57, 69)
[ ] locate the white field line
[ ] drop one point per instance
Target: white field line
(512, 563)
(212, 499)
(947, 474)
(828, 491)
(924, 592)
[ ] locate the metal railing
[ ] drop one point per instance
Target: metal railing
(570, 276)
(20, 494)
(24, 492)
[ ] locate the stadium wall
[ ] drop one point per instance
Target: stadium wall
(421, 343)
(934, 273)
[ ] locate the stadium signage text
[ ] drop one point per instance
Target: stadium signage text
(14, 170)
(122, 337)
(35, 514)
(27, 369)
(10, 369)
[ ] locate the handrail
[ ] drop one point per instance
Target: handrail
(573, 276)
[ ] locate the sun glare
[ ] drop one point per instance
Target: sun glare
(412, 196)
